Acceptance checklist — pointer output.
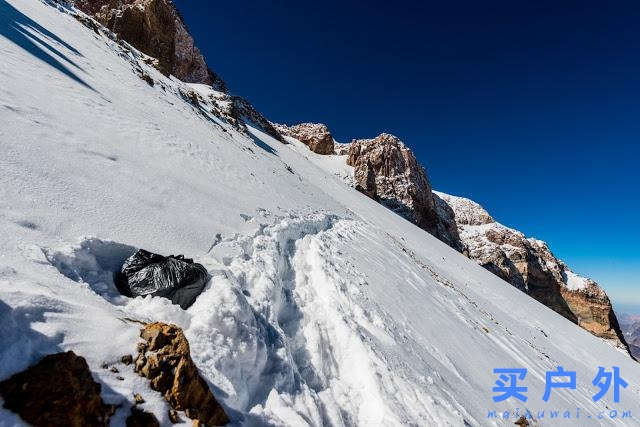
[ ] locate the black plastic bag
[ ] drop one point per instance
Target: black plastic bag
(173, 277)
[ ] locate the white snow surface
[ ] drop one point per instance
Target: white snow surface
(324, 308)
(573, 281)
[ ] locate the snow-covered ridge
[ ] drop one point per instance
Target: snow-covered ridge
(529, 265)
(324, 307)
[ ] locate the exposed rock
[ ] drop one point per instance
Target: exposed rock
(165, 360)
(127, 359)
(387, 171)
(341, 149)
(155, 28)
(174, 417)
(242, 110)
(529, 265)
(316, 136)
(140, 418)
(57, 391)
(630, 325)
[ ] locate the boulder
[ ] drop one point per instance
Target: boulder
(164, 358)
(316, 136)
(57, 391)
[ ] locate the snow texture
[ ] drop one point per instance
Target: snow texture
(324, 308)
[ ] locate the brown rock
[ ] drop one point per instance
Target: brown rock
(127, 359)
(387, 171)
(316, 136)
(529, 265)
(140, 418)
(138, 399)
(174, 417)
(57, 391)
(165, 360)
(155, 28)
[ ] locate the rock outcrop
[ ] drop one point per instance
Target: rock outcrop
(155, 28)
(529, 265)
(630, 325)
(316, 136)
(57, 391)
(388, 172)
(242, 110)
(164, 358)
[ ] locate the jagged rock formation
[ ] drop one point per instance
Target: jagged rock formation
(341, 149)
(164, 358)
(387, 171)
(630, 325)
(529, 265)
(155, 28)
(314, 135)
(57, 391)
(234, 109)
(242, 110)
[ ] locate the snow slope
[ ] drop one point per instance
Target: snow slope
(324, 308)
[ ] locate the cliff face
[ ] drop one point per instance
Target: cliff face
(155, 28)
(529, 265)
(388, 172)
(630, 325)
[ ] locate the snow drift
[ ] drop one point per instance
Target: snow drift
(323, 307)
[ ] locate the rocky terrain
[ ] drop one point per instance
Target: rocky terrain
(630, 325)
(155, 27)
(530, 266)
(323, 306)
(57, 391)
(387, 171)
(316, 136)
(164, 358)
(384, 169)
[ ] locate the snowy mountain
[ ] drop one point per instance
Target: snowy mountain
(529, 265)
(630, 325)
(323, 308)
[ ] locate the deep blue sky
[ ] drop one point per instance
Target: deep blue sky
(530, 108)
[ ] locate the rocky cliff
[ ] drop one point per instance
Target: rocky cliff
(156, 28)
(388, 172)
(630, 325)
(529, 265)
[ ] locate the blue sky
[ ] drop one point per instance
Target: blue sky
(530, 108)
